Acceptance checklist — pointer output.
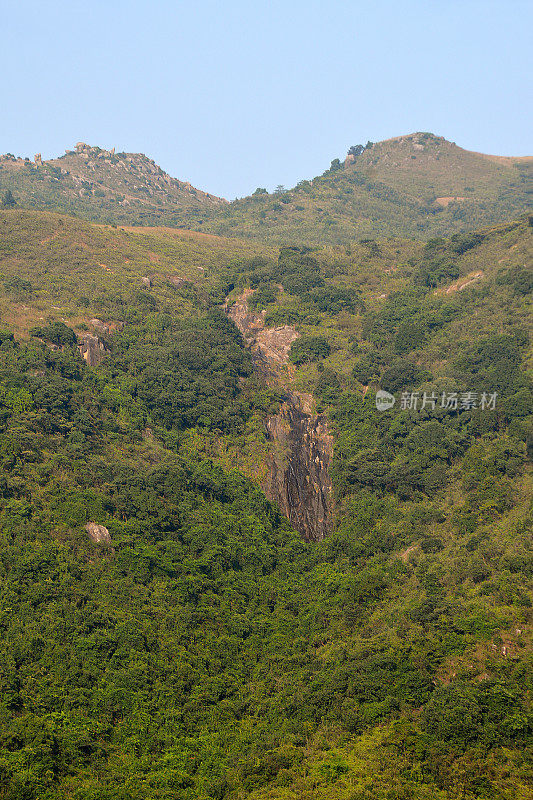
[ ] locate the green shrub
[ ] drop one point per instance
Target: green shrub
(56, 333)
(309, 348)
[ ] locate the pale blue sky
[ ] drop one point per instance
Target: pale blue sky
(238, 94)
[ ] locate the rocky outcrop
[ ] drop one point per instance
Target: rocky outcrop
(270, 346)
(92, 349)
(106, 326)
(98, 533)
(298, 477)
(177, 282)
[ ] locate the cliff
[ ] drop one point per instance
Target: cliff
(298, 478)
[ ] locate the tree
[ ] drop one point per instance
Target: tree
(356, 150)
(18, 287)
(309, 348)
(8, 201)
(55, 332)
(402, 375)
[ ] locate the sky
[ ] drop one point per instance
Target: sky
(245, 93)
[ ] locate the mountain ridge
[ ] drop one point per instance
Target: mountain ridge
(94, 183)
(416, 185)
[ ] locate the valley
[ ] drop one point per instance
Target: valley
(225, 573)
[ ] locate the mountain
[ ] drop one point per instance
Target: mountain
(415, 186)
(101, 185)
(418, 186)
(229, 572)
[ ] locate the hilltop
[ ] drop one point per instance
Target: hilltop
(101, 185)
(417, 186)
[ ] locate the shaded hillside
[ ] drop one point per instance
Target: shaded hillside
(165, 633)
(101, 185)
(416, 186)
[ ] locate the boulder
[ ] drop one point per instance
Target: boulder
(177, 282)
(92, 349)
(98, 533)
(106, 326)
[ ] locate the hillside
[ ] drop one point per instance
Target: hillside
(166, 631)
(53, 264)
(101, 185)
(417, 186)
(414, 186)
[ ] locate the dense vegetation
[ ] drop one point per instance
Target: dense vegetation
(206, 652)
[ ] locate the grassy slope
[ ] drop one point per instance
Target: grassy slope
(433, 167)
(77, 270)
(316, 687)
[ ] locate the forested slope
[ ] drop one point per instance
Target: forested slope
(202, 649)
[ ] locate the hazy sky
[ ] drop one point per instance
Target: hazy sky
(243, 93)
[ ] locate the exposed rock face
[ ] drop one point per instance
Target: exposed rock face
(91, 349)
(298, 477)
(98, 533)
(270, 346)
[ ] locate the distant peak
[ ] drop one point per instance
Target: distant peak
(82, 147)
(416, 137)
(417, 141)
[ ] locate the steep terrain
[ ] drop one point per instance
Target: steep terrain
(166, 632)
(101, 185)
(299, 481)
(297, 478)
